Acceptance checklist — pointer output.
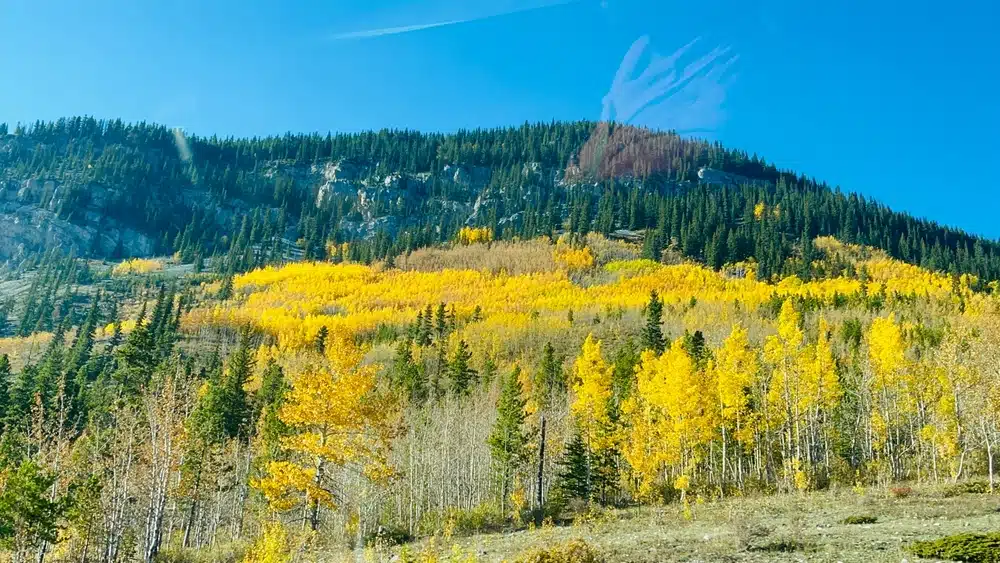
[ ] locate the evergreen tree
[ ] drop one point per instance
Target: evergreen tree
(269, 400)
(652, 333)
(321, 339)
(509, 439)
(694, 345)
(549, 379)
(573, 478)
(440, 323)
(459, 370)
(136, 358)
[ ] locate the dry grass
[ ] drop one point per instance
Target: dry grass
(778, 528)
(514, 258)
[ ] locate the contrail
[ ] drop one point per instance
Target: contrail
(368, 33)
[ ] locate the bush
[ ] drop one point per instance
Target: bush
(863, 519)
(901, 492)
(973, 548)
(387, 536)
(573, 551)
(967, 488)
(782, 546)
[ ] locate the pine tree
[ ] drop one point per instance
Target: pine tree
(459, 370)
(549, 379)
(573, 481)
(269, 400)
(509, 439)
(440, 323)
(694, 344)
(321, 339)
(652, 333)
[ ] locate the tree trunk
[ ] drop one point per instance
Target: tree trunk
(539, 512)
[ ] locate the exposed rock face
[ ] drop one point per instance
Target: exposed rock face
(27, 228)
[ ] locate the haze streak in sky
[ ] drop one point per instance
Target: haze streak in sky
(369, 33)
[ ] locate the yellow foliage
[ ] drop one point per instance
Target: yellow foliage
(736, 371)
(136, 266)
(271, 546)
(574, 260)
(671, 415)
(592, 391)
(335, 421)
(474, 235)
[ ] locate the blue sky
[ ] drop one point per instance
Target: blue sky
(896, 100)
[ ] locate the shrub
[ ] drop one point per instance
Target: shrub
(967, 488)
(782, 546)
(973, 548)
(863, 519)
(387, 536)
(573, 551)
(901, 492)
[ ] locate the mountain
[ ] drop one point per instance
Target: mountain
(112, 190)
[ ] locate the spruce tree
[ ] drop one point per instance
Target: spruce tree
(549, 379)
(652, 333)
(459, 370)
(573, 478)
(509, 440)
(321, 337)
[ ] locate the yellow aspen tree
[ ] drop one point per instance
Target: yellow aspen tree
(335, 422)
(954, 377)
(592, 377)
(784, 351)
(736, 369)
(821, 394)
(672, 415)
(887, 359)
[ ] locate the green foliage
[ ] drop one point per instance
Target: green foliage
(652, 333)
(509, 439)
(574, 478)
(28, 515)
(783, 545)
(462, 375)
(224, 409)
(269, 400)
(972, 548)
(5, 381)
(967, 488)
(550, 381)
(657, 191)
(860, 519)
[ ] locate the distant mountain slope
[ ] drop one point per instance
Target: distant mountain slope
(110, 189)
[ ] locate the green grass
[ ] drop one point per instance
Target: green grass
(810, 527)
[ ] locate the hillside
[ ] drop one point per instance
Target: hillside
(108, 189)
(405, 347)
(322, 407)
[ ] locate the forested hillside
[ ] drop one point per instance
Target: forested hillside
(301, 347)
(115, 190)
(305, 410)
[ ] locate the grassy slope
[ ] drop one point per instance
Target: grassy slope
(739, 529)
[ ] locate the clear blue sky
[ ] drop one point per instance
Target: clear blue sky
(897, 100)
